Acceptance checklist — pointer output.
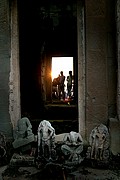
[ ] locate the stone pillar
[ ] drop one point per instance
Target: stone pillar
(118, 55)
(5, 122)
(100, 62)
(81, 67)
(14, 78)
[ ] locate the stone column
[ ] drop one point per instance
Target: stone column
(5, 122)
(118, 55)
(14, 78)
(81, 67)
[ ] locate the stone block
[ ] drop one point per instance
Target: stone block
(114, 127)
(59, 137)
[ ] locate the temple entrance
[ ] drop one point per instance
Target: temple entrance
(53, 32)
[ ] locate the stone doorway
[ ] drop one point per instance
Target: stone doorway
(46, 24)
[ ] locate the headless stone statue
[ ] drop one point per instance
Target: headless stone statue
(99, 143)
(46, 139)
(73, 146)
(23, 133)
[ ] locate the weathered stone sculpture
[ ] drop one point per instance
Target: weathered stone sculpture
(23, 134)
(73, 146)
(99, 143)
(46, 139)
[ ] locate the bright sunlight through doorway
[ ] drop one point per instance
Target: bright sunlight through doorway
(64, 64)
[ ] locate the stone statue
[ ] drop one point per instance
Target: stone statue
(73, 146)
(46, 139)
(99, 143)
(23, 133)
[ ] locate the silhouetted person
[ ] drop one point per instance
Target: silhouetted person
(69, 84)
(61, 85)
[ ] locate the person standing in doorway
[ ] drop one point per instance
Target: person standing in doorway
(61, 86)
(69, 84)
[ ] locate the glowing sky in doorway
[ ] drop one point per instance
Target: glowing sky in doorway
(64, 64)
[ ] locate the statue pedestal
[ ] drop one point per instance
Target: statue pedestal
(22, 160)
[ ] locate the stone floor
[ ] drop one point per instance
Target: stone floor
(84, 171)
(32, 173)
